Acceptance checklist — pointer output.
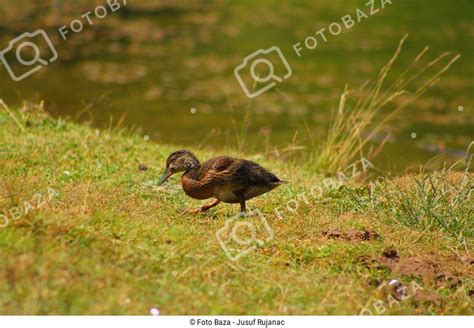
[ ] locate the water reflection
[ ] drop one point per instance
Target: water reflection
(169, 69)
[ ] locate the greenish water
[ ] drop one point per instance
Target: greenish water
(169, 70)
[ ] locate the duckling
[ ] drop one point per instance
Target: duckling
(227, 179)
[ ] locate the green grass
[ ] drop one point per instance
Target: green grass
(427, 201)
(112, 243)
(365, 113)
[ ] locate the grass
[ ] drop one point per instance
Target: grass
(436, 201)
(105, 240)
(365, 113)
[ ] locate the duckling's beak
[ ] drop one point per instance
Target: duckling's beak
(165, 177)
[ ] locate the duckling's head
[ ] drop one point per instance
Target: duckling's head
(179, 161)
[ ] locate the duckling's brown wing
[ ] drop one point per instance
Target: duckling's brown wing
(236, 171)
(218, 171)
(216, 165)
(227, 175)
(252, 174)
(255, 179)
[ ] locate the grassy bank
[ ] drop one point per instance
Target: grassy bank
(86, 232)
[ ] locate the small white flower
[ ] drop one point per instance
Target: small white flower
(154, 311)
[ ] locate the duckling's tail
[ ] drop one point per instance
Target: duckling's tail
(279, 183)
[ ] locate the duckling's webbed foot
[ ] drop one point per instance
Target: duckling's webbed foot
(192, 211)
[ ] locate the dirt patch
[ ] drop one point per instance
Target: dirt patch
(410, 265)
(426, 269)
(142, 167)
(426, 296)
(466, 259)
(350, 235)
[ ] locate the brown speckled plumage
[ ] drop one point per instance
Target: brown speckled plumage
(230, 180)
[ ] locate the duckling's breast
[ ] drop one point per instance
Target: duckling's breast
(196, 189)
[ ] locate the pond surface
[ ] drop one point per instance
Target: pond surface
(169, 70)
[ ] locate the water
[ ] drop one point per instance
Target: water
(169, 70)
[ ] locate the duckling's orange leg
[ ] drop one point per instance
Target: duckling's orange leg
(206, 207)
(203, 208)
